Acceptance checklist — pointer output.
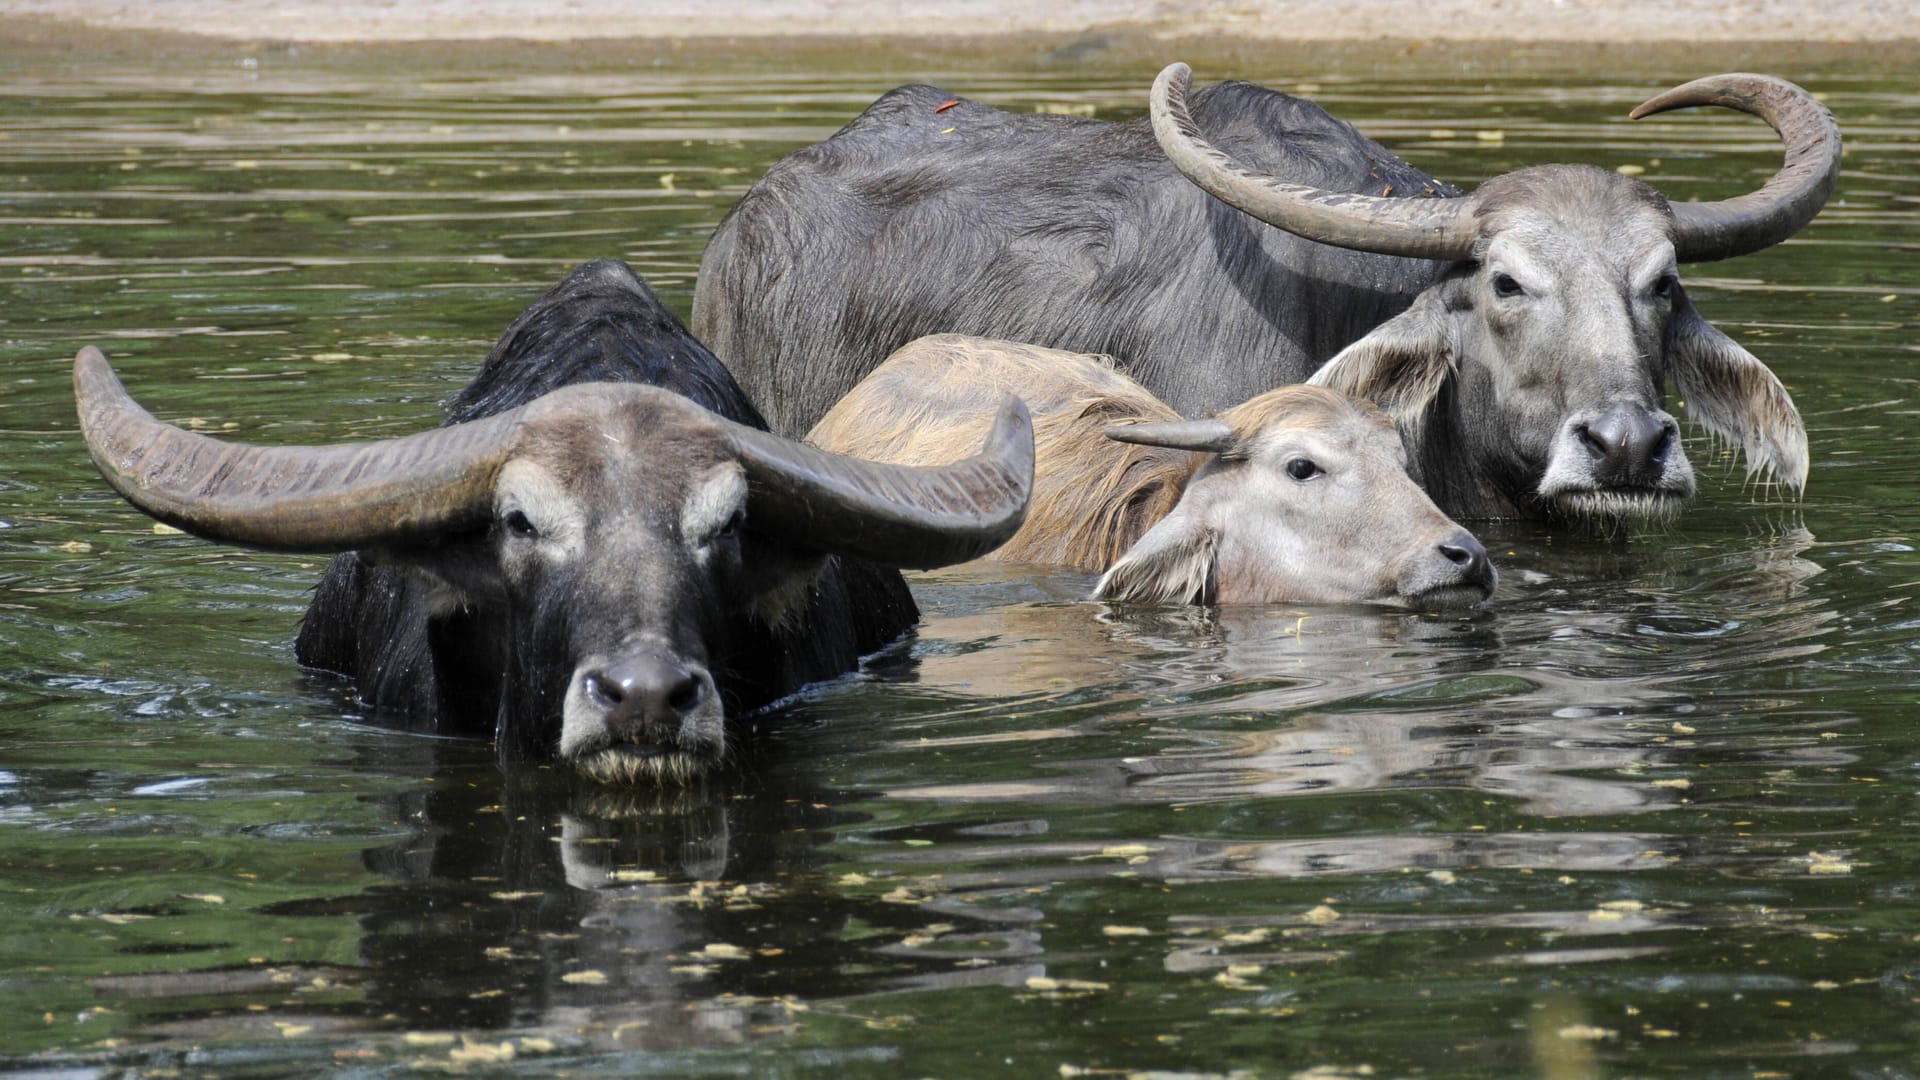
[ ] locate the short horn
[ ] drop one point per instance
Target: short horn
(289, 498)
(1207, 436)
(1789, 199)
(1417, 228)
(918, 517)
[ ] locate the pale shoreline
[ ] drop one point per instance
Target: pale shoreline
(1863, 23)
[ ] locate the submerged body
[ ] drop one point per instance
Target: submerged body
(600, 557)
(1300, 494)
(1523, 337)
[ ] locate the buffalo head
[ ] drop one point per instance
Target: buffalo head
(616, 535)
(1303, 495)
(1539, 358)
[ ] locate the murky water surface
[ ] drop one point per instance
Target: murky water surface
(1653, 812)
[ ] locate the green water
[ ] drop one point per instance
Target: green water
(1653, 813)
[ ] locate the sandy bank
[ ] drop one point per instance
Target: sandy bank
(1612, 21)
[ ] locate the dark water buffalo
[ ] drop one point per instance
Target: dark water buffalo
(1522, 336)
(1300, 494)
(601, 553)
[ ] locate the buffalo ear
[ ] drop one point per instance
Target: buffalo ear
(1172, 563)
(1400, 366)
(1735, 397)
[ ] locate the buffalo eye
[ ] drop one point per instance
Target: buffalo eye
(519, 525)
(726, 530)
(1303, 469)
(1663, 288)
(1505, 286)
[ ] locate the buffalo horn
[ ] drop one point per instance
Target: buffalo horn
(289, 498)
(1782, 206)
(918, 517)
(1207, 436)
(1417, 228)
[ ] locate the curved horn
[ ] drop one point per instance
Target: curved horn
(1418, 228)
(1789, 199)
(1207, 436)
(289, 498)
(896, 515)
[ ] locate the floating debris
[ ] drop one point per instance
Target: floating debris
(1821, 862)
(1321, 915)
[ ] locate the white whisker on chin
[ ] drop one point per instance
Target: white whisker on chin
(1617, 509)
(635, 765)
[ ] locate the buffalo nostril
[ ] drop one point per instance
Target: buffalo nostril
(603, 692)
(1462, 549)
(1465, 551)
(1663, 442)
(1609, 436)
(1594, 444)
(685, 695)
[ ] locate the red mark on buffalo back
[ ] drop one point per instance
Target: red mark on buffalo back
(947, 106)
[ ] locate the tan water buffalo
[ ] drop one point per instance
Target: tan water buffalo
(1299, 494)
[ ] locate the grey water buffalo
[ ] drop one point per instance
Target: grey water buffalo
(1300, 494)
(599, 556)
(1523, 336)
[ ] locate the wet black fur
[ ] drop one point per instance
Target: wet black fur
(1070, 233)
(504, 673)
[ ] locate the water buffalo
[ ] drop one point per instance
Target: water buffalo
(1522, 336)
(601, 553)
(1299, 494)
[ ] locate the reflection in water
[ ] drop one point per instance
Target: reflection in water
(514, 909)
(1568, 710)
(619, 921)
